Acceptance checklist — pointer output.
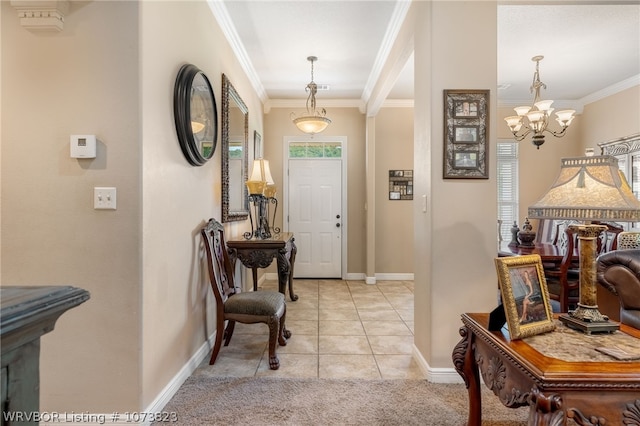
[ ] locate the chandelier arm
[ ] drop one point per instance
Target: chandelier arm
(558, 134)
(522, 136)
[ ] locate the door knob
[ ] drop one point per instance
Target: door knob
(337, 216)
(337, 225)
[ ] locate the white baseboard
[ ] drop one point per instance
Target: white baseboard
(172, 387)
(357, 276)
(394, 277)
(436, 375)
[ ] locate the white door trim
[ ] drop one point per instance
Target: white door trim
(285, 187)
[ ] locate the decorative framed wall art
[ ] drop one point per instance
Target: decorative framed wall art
(466, 128)
(525, 296)
(400, 184)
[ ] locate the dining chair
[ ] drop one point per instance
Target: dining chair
(563, 281)
(232, 305)
(628, 240)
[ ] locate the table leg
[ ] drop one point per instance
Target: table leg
(465, 364)
(254, 272)
(285, 275)
(292, 261)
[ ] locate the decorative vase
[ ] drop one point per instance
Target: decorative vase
(527, 235)
(514, 235)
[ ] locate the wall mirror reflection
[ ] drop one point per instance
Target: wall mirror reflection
(235, 125)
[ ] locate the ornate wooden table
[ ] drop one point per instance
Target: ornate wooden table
(256, 254)
(551, 374)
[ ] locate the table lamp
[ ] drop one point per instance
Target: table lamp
(588, 189)
(262, 191)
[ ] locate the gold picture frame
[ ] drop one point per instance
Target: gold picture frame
(525, 296)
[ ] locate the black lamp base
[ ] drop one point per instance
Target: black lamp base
(589, 327)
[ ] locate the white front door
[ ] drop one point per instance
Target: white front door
(315, 216)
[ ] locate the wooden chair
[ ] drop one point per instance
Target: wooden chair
(231, 305)
(563, 282)
(608, 239)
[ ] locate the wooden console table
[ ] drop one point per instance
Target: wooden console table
(596, 392)
(256, 254)
(26, 313)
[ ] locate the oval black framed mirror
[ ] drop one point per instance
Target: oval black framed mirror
(235, 134)
(195, 114)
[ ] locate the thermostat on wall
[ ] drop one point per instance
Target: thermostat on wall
(83, 146)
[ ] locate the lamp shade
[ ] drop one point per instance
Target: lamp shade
(260, 177)
(588, 189)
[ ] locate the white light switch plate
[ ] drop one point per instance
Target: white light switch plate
(104, 198)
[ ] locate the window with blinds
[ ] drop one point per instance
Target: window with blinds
(507, 186)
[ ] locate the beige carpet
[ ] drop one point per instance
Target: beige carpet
(262, 401)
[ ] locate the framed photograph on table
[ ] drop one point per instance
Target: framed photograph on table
(525, 296)
(466, 128)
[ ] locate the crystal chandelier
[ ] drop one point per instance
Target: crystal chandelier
(315, 121)
(536, 118)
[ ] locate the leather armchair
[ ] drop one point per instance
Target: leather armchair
(618, 275)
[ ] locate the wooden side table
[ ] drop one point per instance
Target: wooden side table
(568, 385)
(26, 313)
(256, 254)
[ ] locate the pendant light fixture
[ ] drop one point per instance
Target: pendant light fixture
(315, 120)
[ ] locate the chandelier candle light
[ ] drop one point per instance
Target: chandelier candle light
(315, 121)
(262, 191)
(535, 118)
(588, 189)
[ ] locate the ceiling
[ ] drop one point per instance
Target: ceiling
(591, 50)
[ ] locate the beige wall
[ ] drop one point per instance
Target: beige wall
(111, 72)
(84, 80)
(455, 238)
(178, 198)
(393, 219)
(610, 118)
(349, 122)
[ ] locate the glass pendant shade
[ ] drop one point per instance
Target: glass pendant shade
(311, 124)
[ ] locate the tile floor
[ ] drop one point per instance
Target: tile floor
(340, 329)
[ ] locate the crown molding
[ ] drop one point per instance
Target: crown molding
(221, 14)
(395, 24)
(612, 90)
(41, 15)
(302, 103)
